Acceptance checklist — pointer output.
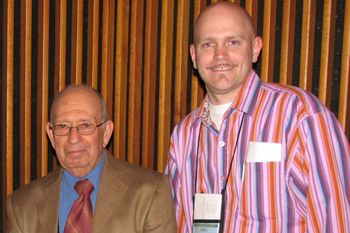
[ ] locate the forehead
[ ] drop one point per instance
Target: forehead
(223, 21)
(77, 104)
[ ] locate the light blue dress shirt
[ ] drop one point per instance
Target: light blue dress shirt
(68, 194)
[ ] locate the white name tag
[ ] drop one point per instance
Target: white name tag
(264, 152)
(207, 206)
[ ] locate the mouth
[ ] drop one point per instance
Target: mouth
(74, 152)
(221, 67)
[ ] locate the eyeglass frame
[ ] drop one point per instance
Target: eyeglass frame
(77, 128)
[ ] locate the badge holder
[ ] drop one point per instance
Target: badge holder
(209, 209)
(208, 213)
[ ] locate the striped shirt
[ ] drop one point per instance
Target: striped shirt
(306, 189)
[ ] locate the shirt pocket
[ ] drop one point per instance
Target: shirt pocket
(261, 196)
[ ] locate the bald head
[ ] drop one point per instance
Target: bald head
(83, 89)
(220, 12)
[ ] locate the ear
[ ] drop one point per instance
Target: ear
(108, 130)
(49, 133)
(257, 45)
(193, 55)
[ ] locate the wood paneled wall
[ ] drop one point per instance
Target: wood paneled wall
(137, 54)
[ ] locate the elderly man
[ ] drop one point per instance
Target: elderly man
(92, 192)
(254, 157)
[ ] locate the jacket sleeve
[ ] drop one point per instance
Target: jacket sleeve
(11, 219)
(161, 216)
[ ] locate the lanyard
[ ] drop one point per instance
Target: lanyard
(223, 191)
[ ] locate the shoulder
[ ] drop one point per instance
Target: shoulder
(301, 100)
(139, 196)
(35, 189)
(184, 126)
(132, 174)
(189, 118)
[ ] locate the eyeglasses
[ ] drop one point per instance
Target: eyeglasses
(83, 128)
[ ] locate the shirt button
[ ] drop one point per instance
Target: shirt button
(223, 178)
(222, 143)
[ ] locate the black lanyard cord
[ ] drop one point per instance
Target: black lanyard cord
(199, 140)
(233, 153)
(223, 191)
(231, 162)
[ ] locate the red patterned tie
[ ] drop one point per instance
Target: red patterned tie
(80, 216)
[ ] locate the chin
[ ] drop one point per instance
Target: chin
(77, 162)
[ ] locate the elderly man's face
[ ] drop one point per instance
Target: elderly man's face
(225, 48)
(77, 153)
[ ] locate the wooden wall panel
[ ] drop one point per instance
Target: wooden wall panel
(121, 77)
(43, 85)
(108, 22)
(165, 73)
(77, 41)
(268, 49)
(25, 91)
(287, 44)
(181, 59)
(138, 58)
(93, 42)
(7, 98)
(344, 99)
(326, 66)
(307, 44)
(135, 81)
(149, 84)
(60, 44)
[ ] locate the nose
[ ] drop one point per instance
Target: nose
(220, 52)
(74, 136)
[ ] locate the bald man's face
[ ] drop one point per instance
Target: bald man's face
(225, 48)
(78, 153)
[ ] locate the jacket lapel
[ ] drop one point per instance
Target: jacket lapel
(48, 204)
(111, 191)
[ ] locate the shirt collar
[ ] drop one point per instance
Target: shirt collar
(247, 96)
(244, 102)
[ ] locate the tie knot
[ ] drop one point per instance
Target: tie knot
(84, 187)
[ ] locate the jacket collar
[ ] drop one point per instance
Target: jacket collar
(110, 186)
(48, 203)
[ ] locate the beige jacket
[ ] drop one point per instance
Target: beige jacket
(130, 199)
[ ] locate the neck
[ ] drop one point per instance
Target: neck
(221, 99)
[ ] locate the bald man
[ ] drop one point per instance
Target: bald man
(255, 156)
(91, 191)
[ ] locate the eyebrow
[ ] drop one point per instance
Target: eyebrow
(77, 121)
(210, 38)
